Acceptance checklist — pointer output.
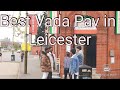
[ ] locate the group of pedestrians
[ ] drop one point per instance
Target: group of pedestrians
(72, 61)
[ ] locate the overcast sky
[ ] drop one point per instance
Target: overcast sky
(8, 31)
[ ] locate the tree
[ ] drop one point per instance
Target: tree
(16, 46)
(41, 29)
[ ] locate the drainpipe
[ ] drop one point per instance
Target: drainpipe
(84, 13)
(107, 45)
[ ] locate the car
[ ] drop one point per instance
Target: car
(18, 51)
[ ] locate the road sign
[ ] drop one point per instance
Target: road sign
(24, 45)
(106, 68)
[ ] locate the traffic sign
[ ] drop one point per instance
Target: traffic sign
(23, 47)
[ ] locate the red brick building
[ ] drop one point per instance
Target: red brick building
(103, 43)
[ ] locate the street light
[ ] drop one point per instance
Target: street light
(26, 52)
(13, 56)
(13, 41)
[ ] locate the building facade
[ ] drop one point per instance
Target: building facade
(104, 48)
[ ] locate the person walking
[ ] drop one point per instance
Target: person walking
(74, 64)
(22, 56)
(45, 65)
(66, 65)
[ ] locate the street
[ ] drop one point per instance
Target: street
(6, 56)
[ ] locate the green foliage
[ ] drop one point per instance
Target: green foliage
(16, 46)
(41, 29)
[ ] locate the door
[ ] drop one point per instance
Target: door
(91, 53)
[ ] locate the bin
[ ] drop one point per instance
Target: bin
(85, 72)
(12, 57)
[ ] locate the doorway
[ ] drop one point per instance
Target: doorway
(90, 51)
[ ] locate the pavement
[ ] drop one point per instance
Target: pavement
(33, 70)
(9, 70)
(15, 69)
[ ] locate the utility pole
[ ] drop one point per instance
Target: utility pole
(13, 40)
(26, 52)
(13, 56)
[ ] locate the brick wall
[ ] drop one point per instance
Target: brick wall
(34, 49)
(106, 41)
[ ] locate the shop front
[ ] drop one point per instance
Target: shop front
(104, 45)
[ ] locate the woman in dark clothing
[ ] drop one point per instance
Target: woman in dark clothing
(22, 56)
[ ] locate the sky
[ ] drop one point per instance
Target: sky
(7, 32)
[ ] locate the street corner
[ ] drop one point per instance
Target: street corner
(9, 69)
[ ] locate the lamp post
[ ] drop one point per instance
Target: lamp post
(13, 41)
(26, 52)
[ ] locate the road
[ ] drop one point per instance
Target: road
(6, 56)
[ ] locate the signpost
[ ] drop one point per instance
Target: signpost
(23, 47)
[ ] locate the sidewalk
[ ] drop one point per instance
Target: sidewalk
(15, 70)
(33, 68)
(9, 70)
